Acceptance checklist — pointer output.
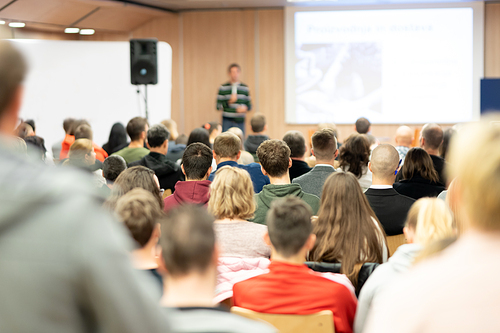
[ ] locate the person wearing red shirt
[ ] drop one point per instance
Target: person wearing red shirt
(289, 286)
(84, 131)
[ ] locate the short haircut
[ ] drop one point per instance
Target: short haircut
(384, 161)
(182, 139)
(24, 130)
(187, 240)
(75, 124)
(289, 225)
(324, 144)
(13, 69)
(113, 166)
(157, 135)
(331, 126)
(139, 211)
(84, 132)
(231, 194)
(433, 135)
(233, 65)
(239, 133)
(227, 145)
(196, 160)
(79, 149)
(258, 122)
(296, 142)
(31, 122)
(135, 127)
(362, 125)
(274, 156)
(67, 123)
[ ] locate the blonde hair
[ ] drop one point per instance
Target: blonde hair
(79, 149)
(431, 219)
(231, 194)
(171, 125)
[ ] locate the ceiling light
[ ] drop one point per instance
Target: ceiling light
(72, 30)
(17, 25)
(2, 22)
(87, 32)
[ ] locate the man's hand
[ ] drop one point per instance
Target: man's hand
(242, 109)
(233, 98)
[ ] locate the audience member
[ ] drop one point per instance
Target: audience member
(117, 139)
(64, 265)
(245, 157)
(168, 173)
(404, 140)
(232, 203)
(171, 125)
(137, 129)
(182, 139)
(274, 156)
(57, 147)
(25, 130)
(362, 126)
(354, 156)
(438, 295)
(189, 260)
(227, 152)
(290, 287)
(297, 144)
(35, 146)
(139, 211)
(112, 167)
(196, 166)
(324, 148)
(214, 129)
(31, 122)
(428, 220)
(70, 138)
(419, 178)
(390, 207)
(81, 154)
(85, 132)
(347, 229)
(199, 135)
(431, 139)
(175, 149)
(253, 141)
(447, 135)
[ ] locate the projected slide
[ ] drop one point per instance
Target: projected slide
(391, 66)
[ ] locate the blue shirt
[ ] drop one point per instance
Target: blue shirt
(258, 178)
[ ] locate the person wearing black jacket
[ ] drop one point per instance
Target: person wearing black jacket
(297, 144)
(168, 173)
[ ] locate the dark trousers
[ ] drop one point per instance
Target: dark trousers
(227, 123)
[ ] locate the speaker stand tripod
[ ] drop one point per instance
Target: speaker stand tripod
(145, 99)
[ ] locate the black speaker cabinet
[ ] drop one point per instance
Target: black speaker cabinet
(143, 61)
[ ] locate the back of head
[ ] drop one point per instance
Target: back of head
(258, 123)
(231, 194)
(75, 124)
(157, 135)
(139, 211)
(78, 150)
(83, 132)
(211, 127)
(13, 69)
(355, 154)
(67, 124)
(171, 125)
(196, 160)
(274, 156)
(187, 241)
(324, 144)
(289, 225)
(404, 136)
(113, 166)
(418, 162)
(199, 135)
(135, 127)
(239, 133)
(474, 162)
(331, 126)
(25, 130)
(447, 135)
(227, 145)
(117, 136)
(296, 142)
(182, 139)
(31, 122)
(384, 161)
(35, 146)
(433, 135)
(431, 220)
(362, 125)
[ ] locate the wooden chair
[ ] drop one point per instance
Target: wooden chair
(321, 322)
(393, 242)
(167, 193)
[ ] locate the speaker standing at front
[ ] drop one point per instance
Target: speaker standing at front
(143, 61)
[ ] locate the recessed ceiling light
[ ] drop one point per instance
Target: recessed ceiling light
(87, 31)
(17, 24)
(2, 22)
(72, 30)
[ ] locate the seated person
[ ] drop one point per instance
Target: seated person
(111, 169)
(354, 156)
(245, 157)
(253, 141)
(136, 129)
(139, 211)
(85, 132)
(274, 156)
(196, 166)
(168, 173)
(70, 137)
(188, 262)
(117, 139)
(227, 152)
(175, 148)
(290, 287)
(232, 203)
(390, 207)
(297, 144)
(431, 139)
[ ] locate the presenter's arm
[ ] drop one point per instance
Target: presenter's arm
(246, 104)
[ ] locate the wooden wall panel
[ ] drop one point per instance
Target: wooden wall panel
(492, 40)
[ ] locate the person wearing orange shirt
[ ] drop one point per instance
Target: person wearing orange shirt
(85, 132)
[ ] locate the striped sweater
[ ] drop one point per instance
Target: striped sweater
(229, 110)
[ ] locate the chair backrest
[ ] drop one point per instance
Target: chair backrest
(321, 322)
(393, 242)
(363, 275)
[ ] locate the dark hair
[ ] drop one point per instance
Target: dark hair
(324, 144)
(433, 135)
(187, 240)
(258, 122)
(75, 124)
(117, 138)
(227, 145)
(24, 130)
(31, 122)
(157, 135)
(199, 135)
(36, 145)
(289, 225)
(362, 125)
(233, 65)
(67, 123)
(419, 162)
(355, 154)
(196, 160)
(211, 126)
(135, 127)
(296, 142)
(447, 135)
(13, 69)
(83, 132)
(113, 166)
(274, 156)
